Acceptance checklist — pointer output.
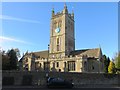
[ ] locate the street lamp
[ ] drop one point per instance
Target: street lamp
(47, 63)
(48, 59)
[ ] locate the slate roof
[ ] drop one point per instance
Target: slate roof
(42, 54)
(95, 52)
(89, 52)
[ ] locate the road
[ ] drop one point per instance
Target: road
(45, 88)
(61, 89)
(8, 88)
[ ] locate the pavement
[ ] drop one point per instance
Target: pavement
(45, 88)
(60, 89)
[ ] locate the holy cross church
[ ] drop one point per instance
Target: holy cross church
(61, 55)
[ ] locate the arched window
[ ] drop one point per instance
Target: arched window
(71, 65)
(65, 64)
(57, 65)
(85, 66)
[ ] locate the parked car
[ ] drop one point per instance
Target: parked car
(59, 83)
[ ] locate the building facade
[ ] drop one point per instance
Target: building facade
(61, 55)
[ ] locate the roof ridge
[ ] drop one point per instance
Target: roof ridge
(40, 51)
(95, 48)
(82, 49)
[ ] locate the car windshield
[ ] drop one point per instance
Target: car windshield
(58, 79)
(50, 79)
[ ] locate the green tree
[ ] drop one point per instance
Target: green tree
(12, 59)
(17, 52)
(117, 61)
(106, 63)
(5, 62)
(111, 68)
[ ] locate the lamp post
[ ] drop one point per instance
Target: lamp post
(48, 59)
(47, 63)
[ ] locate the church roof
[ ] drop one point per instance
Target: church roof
(89, 52)
(41, 54)
(95, 52)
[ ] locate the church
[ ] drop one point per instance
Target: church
(61, 55)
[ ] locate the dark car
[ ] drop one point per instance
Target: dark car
(59, 83)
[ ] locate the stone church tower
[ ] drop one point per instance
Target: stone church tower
(62, 40)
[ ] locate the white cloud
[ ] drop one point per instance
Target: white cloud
(7, 43)
(5, 17)
(3, 39)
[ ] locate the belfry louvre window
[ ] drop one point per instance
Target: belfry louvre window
(57, 41)
(55, 25)
(71, 66)
(60, 24)
(58, 44)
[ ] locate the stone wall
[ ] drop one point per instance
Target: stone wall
(79, 79)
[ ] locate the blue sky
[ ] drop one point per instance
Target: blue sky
(27, 25)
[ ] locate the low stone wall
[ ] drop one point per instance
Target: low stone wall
(79, 79)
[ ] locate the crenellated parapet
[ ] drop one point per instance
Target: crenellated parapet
(64, 11)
